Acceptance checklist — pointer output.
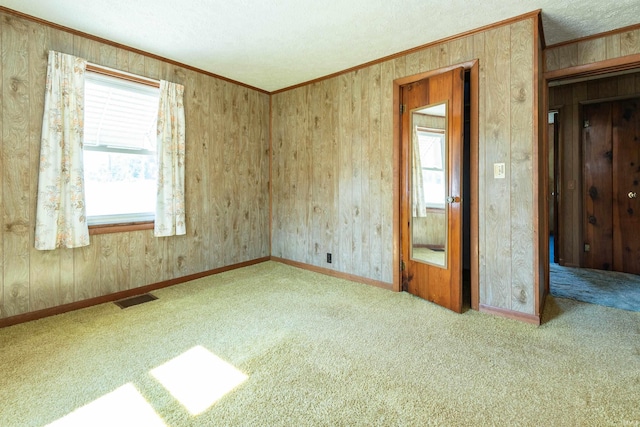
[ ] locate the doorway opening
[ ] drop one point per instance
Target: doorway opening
(466, 195)
(581, 228)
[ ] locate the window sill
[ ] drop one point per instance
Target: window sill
(120, 228)
(435, 210)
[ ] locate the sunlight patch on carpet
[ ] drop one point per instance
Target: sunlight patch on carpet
(124, 406)
(198, 378)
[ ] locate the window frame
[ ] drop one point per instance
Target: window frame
(129, 226)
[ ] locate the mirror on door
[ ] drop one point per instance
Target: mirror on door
(429, 184)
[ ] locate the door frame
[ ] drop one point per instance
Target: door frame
(473, 67)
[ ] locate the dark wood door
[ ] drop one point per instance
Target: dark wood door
(611, 185)
(438, 281)
(626, 185)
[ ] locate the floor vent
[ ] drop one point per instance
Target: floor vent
(140, 299)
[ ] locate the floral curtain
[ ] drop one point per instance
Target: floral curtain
(170, 205)
(60, 212)
(418, 200)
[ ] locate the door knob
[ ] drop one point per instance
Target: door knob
(452, 199)
(632, 194)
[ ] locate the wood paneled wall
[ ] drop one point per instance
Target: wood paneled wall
(227, 174)
(609, 46)
(333, 169)
(567, 99)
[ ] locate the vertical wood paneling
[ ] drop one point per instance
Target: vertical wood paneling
(344, 260)
(497, 200)
(592, 51)
(263, 133)
(108, 56)
(413, 62)
(385, 170)
(153, 253)
(136, 63)
(479, 52)
(320, 146)
(228, 161)
(109, 268)
(32, 280)
(277, 175)
(86, 269)
(302, 186)
(460, 50)
(199, 225)
(561, 57)
(122, 59)
(123, 254)
(16, 161)
(215, 223)
(630, 42)
(522, 209)
(373, 248)
(137, 259)
(612, 44)
(357, 141)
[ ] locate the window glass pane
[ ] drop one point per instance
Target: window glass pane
(434, 188)
(431, 153)
(119, 183)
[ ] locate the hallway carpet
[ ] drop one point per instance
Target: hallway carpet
(607, 288)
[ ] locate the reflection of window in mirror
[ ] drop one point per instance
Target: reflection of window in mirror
(431, 146)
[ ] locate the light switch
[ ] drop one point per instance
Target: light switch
(498, 170)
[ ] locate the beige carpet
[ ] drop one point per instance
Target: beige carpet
(271, 345)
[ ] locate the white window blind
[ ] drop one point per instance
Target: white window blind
(120, 113)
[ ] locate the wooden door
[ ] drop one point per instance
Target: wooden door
(598, 184)
(611, 186)
(626, 185)
(430, 271)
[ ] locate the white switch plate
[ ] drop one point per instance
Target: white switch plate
(498, 170)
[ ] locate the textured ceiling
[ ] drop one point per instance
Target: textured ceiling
(273, 44)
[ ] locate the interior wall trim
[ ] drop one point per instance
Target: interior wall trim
(35, 315)
(125, 47)
(334, 273)
(510, 314)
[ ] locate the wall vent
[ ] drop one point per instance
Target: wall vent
(139, 299)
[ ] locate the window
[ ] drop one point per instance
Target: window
(432, 157)
(120, 165)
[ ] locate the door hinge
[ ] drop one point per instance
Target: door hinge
(587, 247)
(585, 124)
(402, 108)
(402, 266)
